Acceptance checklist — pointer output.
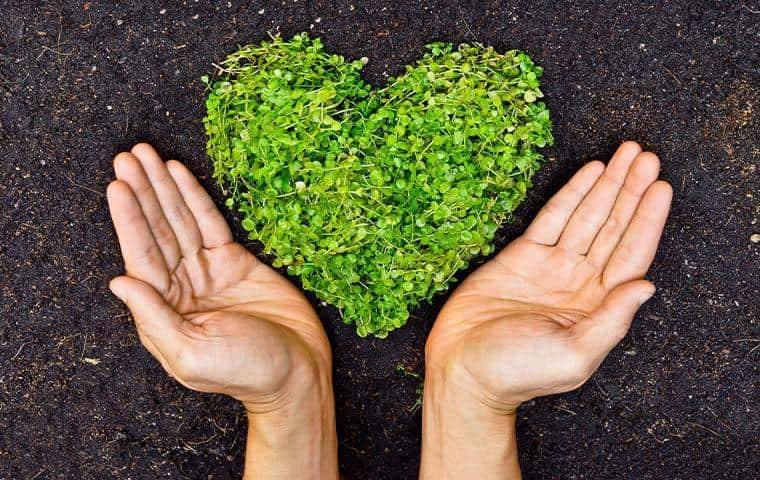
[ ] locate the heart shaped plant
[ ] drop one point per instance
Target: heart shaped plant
(375, 198)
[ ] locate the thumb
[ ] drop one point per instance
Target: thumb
(609, 323)
(155, 319)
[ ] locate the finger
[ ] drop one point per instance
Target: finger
(634, 254)
(591, 214)
(175, 210)
(642, 174)
(156, 321)
(142, 257)
(129, 170)
(551, 220)
(155, 352)
(608, 325)
(214, 230)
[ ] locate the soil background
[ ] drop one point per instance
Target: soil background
(79, 81)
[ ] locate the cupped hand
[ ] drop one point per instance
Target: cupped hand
(540, 317)
(216, 318)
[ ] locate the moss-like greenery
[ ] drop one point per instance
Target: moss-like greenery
(375, 198)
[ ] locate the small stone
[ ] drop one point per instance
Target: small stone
(162, 11)
(755, 238)
(261, 12)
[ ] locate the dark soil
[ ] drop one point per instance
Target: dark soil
(80, 81)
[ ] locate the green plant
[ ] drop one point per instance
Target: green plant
(419, 391)
(375, 198)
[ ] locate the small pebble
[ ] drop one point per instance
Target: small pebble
(755, 238)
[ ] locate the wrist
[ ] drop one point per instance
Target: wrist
(453, 375)
(465, 434)
(294, 436)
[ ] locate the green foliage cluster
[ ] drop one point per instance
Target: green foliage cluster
(375, 198)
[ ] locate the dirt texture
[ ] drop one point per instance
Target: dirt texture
(79, 81)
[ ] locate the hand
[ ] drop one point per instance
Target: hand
(540, 317)
(217, 318)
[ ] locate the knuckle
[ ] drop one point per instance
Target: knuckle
(553, 208)
(178, 214)
(613, 223)
(162, 231)
(148, 255)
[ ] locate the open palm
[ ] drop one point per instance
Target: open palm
(540, 317)
(216, 318)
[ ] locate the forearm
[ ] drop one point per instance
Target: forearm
(463, 438)
(296, 442)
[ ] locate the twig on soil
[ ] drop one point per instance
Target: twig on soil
(563, 409)
(698, 425)
(601, 389)
(728, 427)
(750, 10)
(224, 430)
(39, 473)
(126, 127)
(466, 25)
(18, 352)
(749, 340)
(672, 75)
(195, 444)
(58, 53)
(83, 186)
